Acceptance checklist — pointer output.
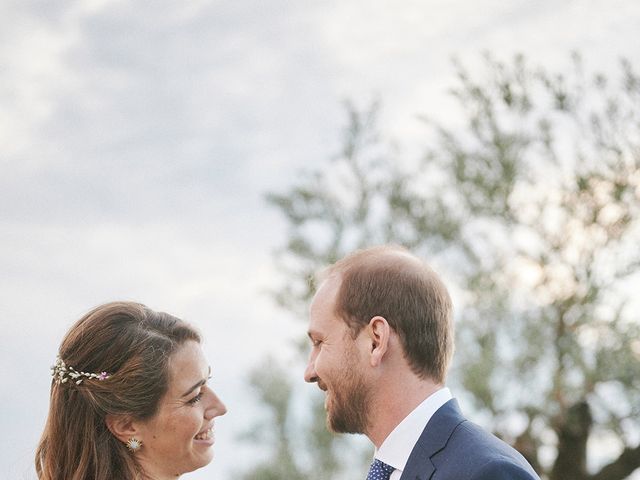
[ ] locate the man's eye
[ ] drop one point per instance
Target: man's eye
(195, 399)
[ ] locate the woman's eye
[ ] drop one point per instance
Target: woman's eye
(195, 399)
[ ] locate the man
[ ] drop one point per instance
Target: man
(382, 340)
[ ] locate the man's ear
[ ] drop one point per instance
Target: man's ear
(123, 427)
(379, 333)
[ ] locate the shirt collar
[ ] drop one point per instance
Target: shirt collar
(397, 447)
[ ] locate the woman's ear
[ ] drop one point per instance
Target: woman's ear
(123, 427)
(380, 333)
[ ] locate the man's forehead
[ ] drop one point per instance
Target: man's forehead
(325, 295)
(329, 285)
(322, 308)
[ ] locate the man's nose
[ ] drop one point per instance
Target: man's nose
(310, 374)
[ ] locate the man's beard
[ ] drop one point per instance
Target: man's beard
(348, 405)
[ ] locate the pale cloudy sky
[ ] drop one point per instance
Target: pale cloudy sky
(137, 140)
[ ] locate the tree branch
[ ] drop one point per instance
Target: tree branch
(622, 467)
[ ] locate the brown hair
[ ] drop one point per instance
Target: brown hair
(133, 344)
(390, 282)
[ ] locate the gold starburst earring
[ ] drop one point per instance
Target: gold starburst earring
(133, 444)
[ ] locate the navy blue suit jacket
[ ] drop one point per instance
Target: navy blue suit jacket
(452, 448)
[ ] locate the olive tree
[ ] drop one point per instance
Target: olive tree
(528, 203)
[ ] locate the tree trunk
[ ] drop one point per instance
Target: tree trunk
(573, 432)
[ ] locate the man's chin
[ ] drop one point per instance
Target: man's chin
(339, 424)
(341, 427)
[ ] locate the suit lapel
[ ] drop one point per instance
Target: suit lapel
(419, 467)
(434, 437)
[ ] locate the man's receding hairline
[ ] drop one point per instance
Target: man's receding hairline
(382, 256)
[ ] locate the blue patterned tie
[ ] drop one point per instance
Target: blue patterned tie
(379, 470)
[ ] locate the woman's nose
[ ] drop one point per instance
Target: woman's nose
(216, 408)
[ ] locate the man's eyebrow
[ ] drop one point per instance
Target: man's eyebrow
(197, 385)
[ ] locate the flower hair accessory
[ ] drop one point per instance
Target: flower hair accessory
(62, 373)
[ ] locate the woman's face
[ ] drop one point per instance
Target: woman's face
(179, 438)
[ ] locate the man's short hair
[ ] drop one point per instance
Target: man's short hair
(390, 282)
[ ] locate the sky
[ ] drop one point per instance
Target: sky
(138, 140)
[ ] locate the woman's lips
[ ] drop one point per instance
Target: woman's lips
(206, 436)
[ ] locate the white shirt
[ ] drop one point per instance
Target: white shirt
(397, 447)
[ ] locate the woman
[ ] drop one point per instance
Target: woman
(129, 399)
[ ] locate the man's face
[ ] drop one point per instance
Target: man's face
(336, 364)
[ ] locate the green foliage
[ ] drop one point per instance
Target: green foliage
(316, 457)
(531, 210)
(275, 393)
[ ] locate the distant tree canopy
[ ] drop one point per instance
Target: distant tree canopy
(530, 208)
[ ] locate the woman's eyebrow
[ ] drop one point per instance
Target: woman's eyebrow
(199, 384)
